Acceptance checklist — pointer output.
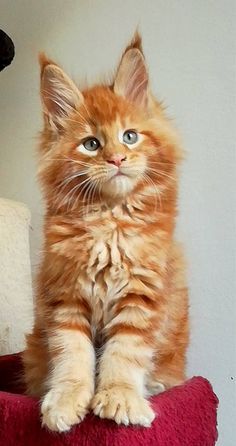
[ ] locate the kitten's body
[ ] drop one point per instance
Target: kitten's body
(111, 280)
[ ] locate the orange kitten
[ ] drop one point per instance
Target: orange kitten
(112, 276)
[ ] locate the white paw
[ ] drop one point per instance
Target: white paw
(123, 406)
(65, 406)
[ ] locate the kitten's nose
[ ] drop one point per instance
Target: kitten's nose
(117, 159)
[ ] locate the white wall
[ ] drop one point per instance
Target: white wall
(190, 48)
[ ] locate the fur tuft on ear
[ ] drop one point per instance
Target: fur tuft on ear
(136, 42)
(131, 79)
(59, 94)
(44, 61)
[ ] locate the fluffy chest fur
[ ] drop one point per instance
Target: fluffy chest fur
(109, 255)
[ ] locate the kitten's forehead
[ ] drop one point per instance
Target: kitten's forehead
(104, 108)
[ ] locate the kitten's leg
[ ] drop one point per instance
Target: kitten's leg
(169, 362)
(123, 366)
(167, 372)
(71, 381)
(35, 359)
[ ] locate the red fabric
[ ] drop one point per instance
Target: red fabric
(186, 416)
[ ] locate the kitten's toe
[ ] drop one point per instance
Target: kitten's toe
(62, 408)
(123, 406)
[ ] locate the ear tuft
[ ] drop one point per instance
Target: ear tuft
(44, 61)
(136, 43)
(131, 79)
(60, 96)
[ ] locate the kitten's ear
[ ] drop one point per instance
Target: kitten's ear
(59, 94)
(132, 76)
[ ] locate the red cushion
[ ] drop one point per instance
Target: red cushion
(186, 416)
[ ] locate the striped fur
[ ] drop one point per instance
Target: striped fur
(111, 314)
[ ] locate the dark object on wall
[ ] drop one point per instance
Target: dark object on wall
(7, 50)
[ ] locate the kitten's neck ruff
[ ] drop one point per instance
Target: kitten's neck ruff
(137, 211)
(149, 202)
(143, 209)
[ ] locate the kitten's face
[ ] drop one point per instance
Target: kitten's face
(105, 142)
(112, 143)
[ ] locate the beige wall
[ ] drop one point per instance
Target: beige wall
(190, 48)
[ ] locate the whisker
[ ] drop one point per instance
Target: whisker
(71, 194)
(99, 190)
(165, 163)
(67, 159)
(87, 192)
(147, 179)
(78, 196)
(159, 173)
(85, 184)
(151, 182)
(95, 189)
(66, 181)
(91, 179)
(81, 162)
(73, 190)
(92, 190)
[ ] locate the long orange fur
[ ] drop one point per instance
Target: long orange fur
(111, 313)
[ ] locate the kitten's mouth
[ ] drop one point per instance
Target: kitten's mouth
(120, 183)
(119, 173)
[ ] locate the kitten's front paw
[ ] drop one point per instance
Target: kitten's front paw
(123, 406)
(63, 407)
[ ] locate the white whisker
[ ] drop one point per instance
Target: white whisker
(160, 173)
(151, 182)
(73, 190)
(66, 181)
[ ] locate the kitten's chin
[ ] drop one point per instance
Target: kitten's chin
(118, 186)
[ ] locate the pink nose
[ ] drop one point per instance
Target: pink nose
(116, 159)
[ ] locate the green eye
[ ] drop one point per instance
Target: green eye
(130, 137)
(91, 144)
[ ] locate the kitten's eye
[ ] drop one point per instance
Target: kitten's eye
(130, 137)
(91, 144)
